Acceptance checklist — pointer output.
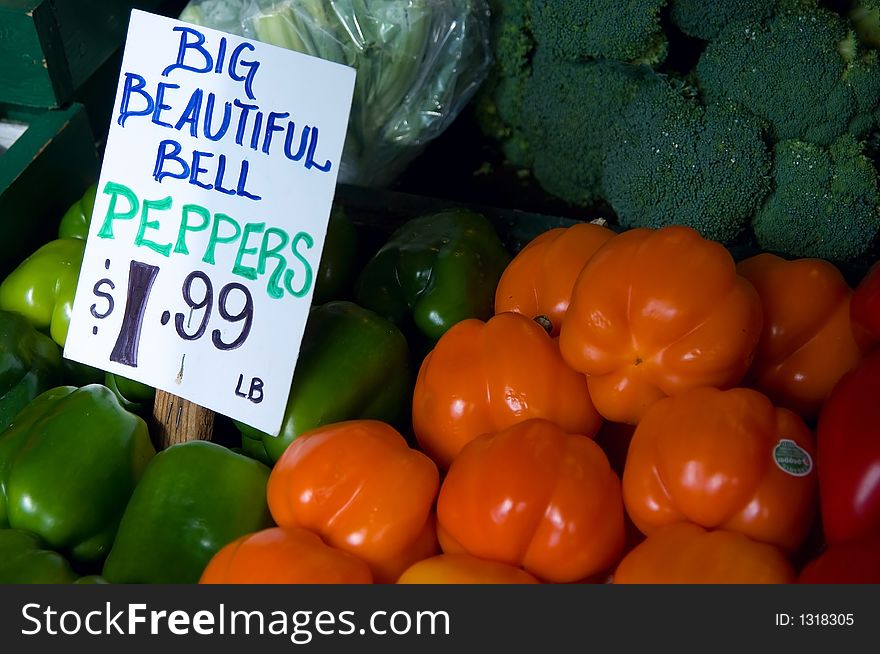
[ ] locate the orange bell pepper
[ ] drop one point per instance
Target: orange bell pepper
(426, 545)
(359, 486)
(539, 279)
(464, 569)
(655, 313)
(288, 555)
(685, 553)
(723, 460)
(807, 342)
(537, 497)
(483, 377)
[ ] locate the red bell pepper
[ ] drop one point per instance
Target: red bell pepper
(865, 308)
(848, 453)
(854, 562)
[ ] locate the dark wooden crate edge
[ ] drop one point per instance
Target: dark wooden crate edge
(52, 47)
(41, 175)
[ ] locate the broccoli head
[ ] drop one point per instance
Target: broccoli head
(499, 102)
(569, 112)
(706, 20)
(802, 72)
(825, 204)
(674, 161)
(626, 30)
(543, 50)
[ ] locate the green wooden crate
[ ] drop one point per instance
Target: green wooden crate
(51, 48)
(42, 173)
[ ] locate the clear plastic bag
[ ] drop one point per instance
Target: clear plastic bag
(419, 62)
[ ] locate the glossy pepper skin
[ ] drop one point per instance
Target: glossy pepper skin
(540, 278)
(24, 559)
(194, 499)
(483, 377)
(289, 555)
(339, 258)
(133, 395)
(807, 342)
(435, 271)
(536, 497)
(352, 364)
(464, 569)
(359, 486)
(685, 553)
(42, 287)
(30, 363)
(723, 460)
(865, 308)
(76, 220)
(68, 465)
(848, 441)
(655, 313)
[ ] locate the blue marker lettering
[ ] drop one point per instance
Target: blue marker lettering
(134, 83)
(169, 150)
(186, 45)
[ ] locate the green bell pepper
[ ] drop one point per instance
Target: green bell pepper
(75, 222)
(68, 465)
(194, 498)
(42, 287)
(133, 395)
(24, 560)
(79, 374)
(435, 271)
(91, 580)
(339, 258)
(352, 364)
(30, 363)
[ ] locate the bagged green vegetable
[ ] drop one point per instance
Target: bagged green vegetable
(418, 64)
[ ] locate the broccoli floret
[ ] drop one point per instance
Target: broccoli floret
(626, 30)
(864, 78)
(707, 19)
(801, 72)
(865, 16)
(825, 204)
(569, 111)
(567, 32)
(674, 161)
(499, 103)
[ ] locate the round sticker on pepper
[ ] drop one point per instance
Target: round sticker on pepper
(792, 458)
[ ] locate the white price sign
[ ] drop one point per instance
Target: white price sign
(212, 209)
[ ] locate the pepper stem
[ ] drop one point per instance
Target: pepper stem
(544, 321)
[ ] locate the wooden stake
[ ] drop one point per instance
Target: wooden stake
(178, 421)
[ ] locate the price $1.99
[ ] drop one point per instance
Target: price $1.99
(197, 292)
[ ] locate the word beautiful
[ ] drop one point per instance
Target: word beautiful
(255, 240)
(241, 121)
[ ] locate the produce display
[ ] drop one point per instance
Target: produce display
(683, 391)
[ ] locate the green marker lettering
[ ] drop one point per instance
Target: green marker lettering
(289, 275)
(180, 246)
(160, 205)
(115, 190)
(246, 271)
(273, 288)
(216, 238)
